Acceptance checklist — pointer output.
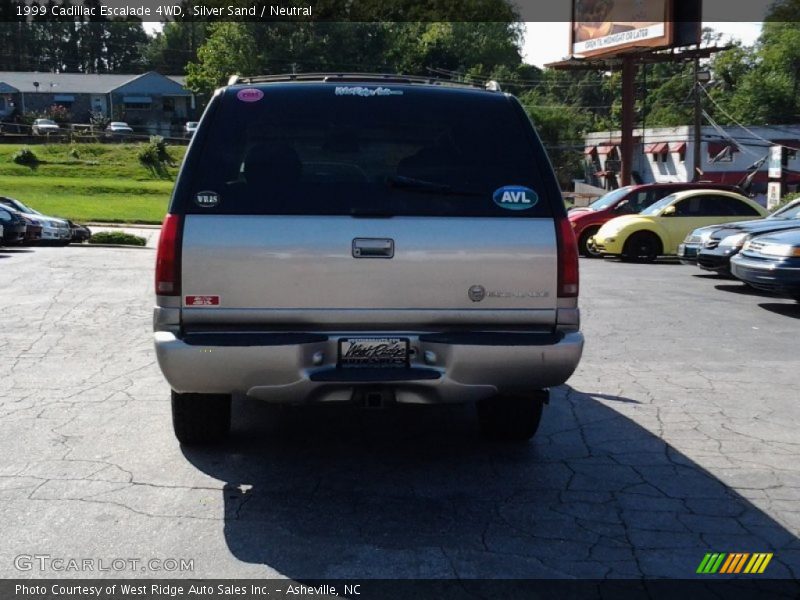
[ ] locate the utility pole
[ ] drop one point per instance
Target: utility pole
(697, 122)
(628, 109)
(697, 137)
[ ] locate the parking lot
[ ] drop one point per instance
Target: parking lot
(677, 436)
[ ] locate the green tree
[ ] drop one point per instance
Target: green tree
(229, 49)
(175, 46)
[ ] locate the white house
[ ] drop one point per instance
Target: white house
(666, 154)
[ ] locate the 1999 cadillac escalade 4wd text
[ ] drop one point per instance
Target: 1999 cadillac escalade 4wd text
(370, 239)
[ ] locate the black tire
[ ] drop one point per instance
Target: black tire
(583, 243)
(642, 247)
(201, 418)
(511, 418)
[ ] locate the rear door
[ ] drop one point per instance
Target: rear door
(321, 205)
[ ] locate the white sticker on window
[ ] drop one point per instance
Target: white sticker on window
(366, 92)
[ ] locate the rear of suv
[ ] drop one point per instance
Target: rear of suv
(365, 239)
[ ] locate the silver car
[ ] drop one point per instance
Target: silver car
(365, 239)
(54, 230)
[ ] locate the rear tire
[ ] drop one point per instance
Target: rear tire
(583, 243)
(511, 418)
(642, 247)
(200, 418)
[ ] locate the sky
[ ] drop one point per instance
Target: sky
(549, 42)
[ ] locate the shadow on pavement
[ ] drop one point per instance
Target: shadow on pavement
(412, 492)
(745, 290)
(787, 309)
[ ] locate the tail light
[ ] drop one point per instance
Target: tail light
(567, 260)
(168, 268)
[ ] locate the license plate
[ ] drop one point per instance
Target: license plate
(373, 352)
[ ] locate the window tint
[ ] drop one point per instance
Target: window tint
(4, 215)
(711, 205)
(306, 149)
(691, 207)
(640, 201)
(737, 207)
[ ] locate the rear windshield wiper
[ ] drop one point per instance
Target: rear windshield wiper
(427, 187)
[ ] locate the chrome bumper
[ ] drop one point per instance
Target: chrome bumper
(444, 368)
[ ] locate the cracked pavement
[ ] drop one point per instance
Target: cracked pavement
(677, 436)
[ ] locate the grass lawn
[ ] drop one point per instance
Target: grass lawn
(89, 182)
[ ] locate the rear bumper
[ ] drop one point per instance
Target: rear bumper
(298, 368)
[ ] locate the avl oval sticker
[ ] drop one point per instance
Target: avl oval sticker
(515, 197)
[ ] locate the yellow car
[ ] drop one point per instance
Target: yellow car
(659, 228)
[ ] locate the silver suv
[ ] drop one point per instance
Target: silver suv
(366, 239)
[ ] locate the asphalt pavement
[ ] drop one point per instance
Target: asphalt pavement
(677, 436)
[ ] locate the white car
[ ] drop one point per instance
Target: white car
(45, 126)
(119, 127)
(53, 229)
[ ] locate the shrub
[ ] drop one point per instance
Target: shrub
(60, 114)
(155, 156)
(25, 156)
(117, 237)
(785, 200)
(98, 120)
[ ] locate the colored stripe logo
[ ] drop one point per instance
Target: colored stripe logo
(732, 563)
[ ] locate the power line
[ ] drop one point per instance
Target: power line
(724, 112)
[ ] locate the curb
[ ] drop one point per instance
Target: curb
(123, 225)
(131, 246)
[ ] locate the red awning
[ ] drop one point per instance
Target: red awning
(658, 148)
(590, 150)
(605, 149)
(677, 147)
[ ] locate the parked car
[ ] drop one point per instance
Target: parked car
(416, 266)
(628, 200)
(33, 230)
(690, 246)
(771, 262)
(44, 127)
(54, 230)
(80, 233)
(725, 242)
(13, 226)
(659, 228)
(118, 128)
(190, 128)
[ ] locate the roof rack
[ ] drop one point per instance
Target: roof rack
(361, 78)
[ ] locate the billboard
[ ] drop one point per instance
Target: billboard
(606, 27)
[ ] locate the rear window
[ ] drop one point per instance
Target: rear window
(331, 149)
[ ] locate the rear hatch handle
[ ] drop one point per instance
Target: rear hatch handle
(373, 248)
